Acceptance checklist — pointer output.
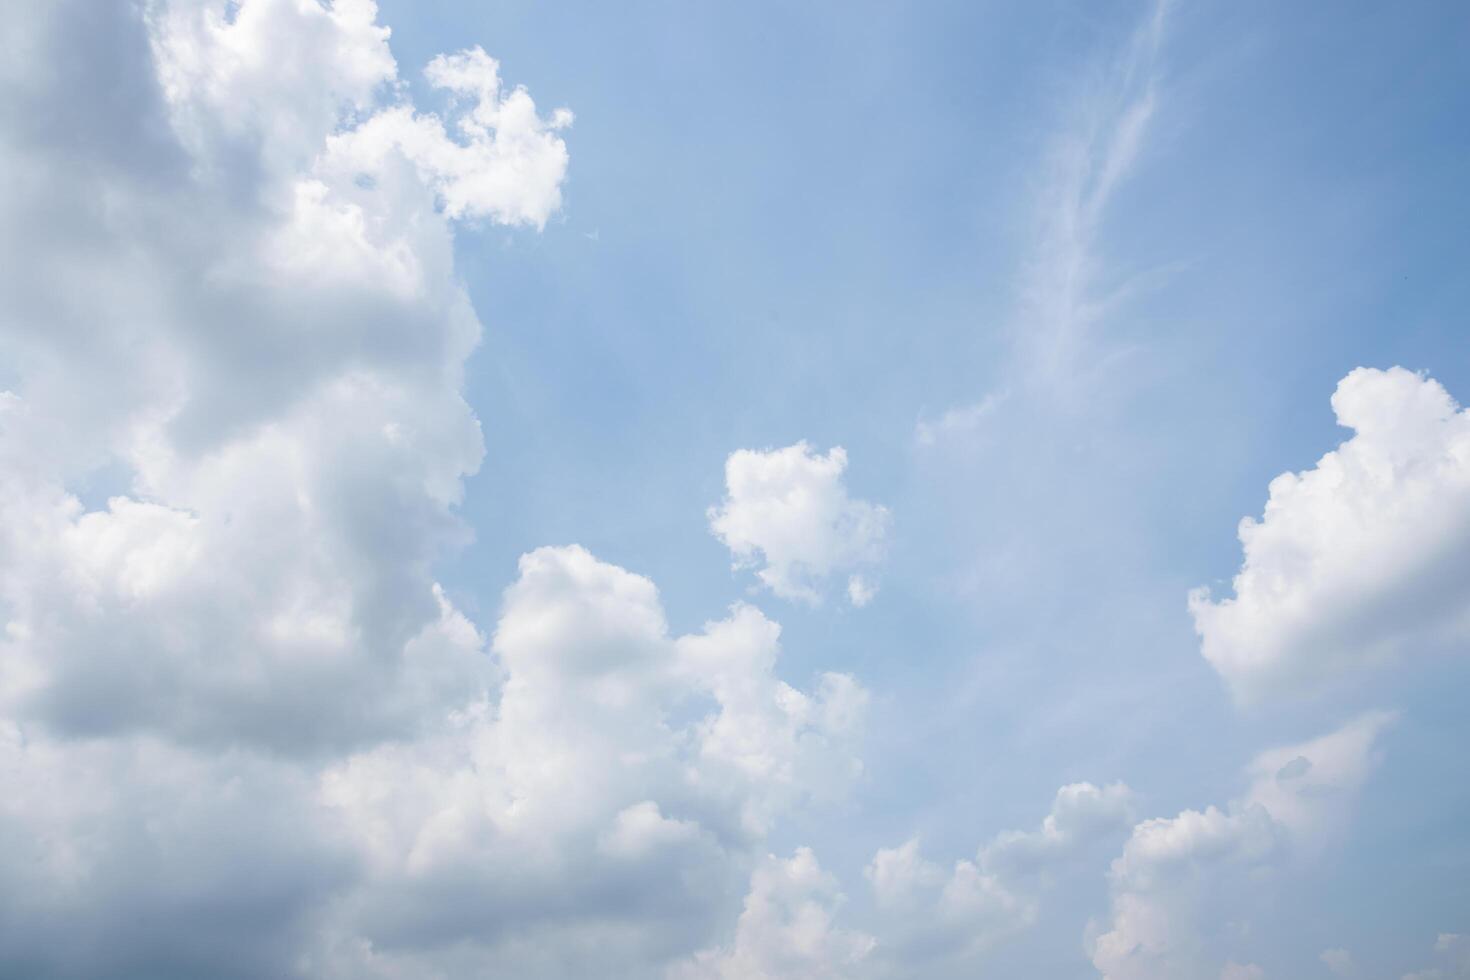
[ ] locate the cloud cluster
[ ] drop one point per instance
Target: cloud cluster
(1360, 561)
(935, 916)
(243, 731)
(926, 919)
(786, 930)
(249, 341)
(1182, 883)
(787, 514)
(602, 809)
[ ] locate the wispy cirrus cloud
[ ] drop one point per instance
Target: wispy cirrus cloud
(1067, 287)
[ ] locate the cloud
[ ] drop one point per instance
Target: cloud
(596, 815)
(927, 918)
(933, 915)
(1183, 884)
(1453, 949)
(1359, 561)
(958, 422)
(1081, 814)
(509, 165)
(1065, 290)
(786, 930)
(259, 338)
(787, 514)
(243, 731)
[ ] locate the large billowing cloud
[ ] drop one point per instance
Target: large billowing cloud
(573, 823)
(242, 730)
(1183, 886)
(787, 514)
(244, 330)
(1361, 560)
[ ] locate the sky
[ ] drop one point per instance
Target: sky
(734, 491)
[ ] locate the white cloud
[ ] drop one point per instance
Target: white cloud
(787, 514)
(932, 915)
(509, 166)
(928, 919)
(1081, 814)
(580, 784)
(1359, 561)
(243, 732)
(261, 337)
(1183, 884)
(786, 930)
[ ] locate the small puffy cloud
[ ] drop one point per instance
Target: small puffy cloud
(1339, 961)
(786, 930)
(508, 164)
(787, 514)
(1359, 561)
(1182, 882)
(1081, 814)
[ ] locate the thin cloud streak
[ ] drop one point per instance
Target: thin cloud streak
(1064, 291)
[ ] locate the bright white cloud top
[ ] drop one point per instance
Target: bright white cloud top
(1359, 561)
(787, 514)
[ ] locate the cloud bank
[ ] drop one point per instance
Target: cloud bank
(243, 731)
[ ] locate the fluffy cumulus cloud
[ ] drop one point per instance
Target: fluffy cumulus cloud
(242, 729)
(787, 514)
(574, 820)
(926, 919)
(1361, 560)
(786, 930)
(940, 920)
(1183, 886)
(246, 342)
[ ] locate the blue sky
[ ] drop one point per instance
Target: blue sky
(1070, 284)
